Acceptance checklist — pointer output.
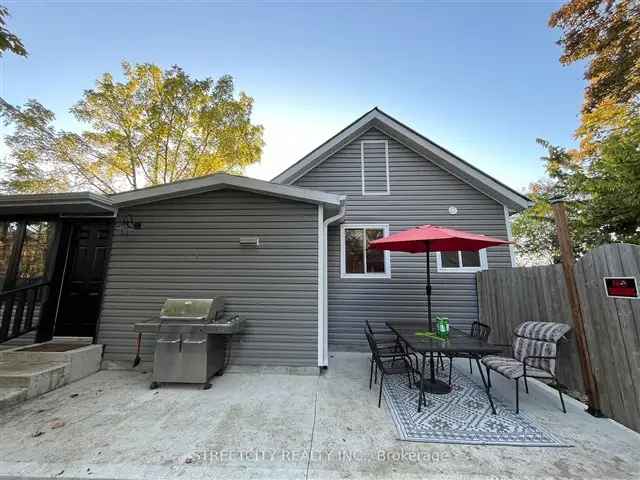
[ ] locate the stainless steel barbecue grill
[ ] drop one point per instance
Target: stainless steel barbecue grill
(193, 340)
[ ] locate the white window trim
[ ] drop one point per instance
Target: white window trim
(386, 155)
(343, 263)
(483, 264)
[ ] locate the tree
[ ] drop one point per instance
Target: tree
(601, 178)
(8, 40)
(607, 34)
(610, 174)
(601, 182)
(152, 128)
(534, 229)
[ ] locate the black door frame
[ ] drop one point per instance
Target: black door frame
(64, 257)
(56, 264)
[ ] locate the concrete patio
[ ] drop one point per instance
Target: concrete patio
(261, 425)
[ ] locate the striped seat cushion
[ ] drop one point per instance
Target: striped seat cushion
(512, 368)
(524, 347)
(538, 339)
(543, 331)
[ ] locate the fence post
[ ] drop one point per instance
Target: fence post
(564, 239)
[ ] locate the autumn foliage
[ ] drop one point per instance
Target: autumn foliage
(154, 126)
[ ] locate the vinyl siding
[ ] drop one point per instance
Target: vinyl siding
(421, 193)
(374, 161)
(189, 247)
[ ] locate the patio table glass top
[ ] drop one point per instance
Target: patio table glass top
(458, 341)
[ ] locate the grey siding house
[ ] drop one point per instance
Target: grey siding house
(189, 247)
(111, 261)
(394, 179)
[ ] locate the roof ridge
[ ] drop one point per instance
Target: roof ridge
(457, 166)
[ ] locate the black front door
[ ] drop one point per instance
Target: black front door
(84, 280)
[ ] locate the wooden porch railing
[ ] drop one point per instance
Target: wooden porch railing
(19, 307)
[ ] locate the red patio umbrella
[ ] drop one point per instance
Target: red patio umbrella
(431, 238)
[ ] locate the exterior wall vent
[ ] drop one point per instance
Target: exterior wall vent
(250, 242)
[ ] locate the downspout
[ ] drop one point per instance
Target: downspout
(323, 337)
(322, 362)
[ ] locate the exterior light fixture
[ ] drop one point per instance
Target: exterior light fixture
(127, 223)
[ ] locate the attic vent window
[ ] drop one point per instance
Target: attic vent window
(374, 155)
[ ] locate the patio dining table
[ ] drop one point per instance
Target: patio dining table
(412, 334)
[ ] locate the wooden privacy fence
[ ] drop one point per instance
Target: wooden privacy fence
(508, 297)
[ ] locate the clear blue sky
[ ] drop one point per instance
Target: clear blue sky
(482, 79)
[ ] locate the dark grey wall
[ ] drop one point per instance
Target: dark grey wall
(189, 247)
(420, 193)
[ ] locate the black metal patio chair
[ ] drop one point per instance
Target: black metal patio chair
(478, 330)
(534, 355)
(385, 339)
(389, 364)
(388, 344)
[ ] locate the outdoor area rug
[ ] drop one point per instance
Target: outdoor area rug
(463, 416)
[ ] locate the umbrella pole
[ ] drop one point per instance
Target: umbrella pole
(432, 384)
(428, 267)
(432, 371)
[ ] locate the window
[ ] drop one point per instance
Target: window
(8, 234)
(461, 261)
(357, 260)
(35, 248)
(24, 252)
(374, 157)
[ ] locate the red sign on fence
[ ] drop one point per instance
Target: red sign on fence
(621, 287)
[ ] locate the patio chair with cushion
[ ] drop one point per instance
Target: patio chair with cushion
(534, 355)
(389, 364)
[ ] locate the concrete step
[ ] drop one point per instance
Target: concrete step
(82, 359)
(35, 377)
(29, 371)
(12, 396)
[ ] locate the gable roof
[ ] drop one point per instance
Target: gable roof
(395, 129)
(220, 181)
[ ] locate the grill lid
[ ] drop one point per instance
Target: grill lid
(189, 309)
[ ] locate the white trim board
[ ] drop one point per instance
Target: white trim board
(387, 255)
(363, 167)
(512, 251)
(220, 181)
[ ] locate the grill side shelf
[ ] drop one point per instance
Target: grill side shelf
(225, 328)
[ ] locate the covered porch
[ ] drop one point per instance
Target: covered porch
(53, 255)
